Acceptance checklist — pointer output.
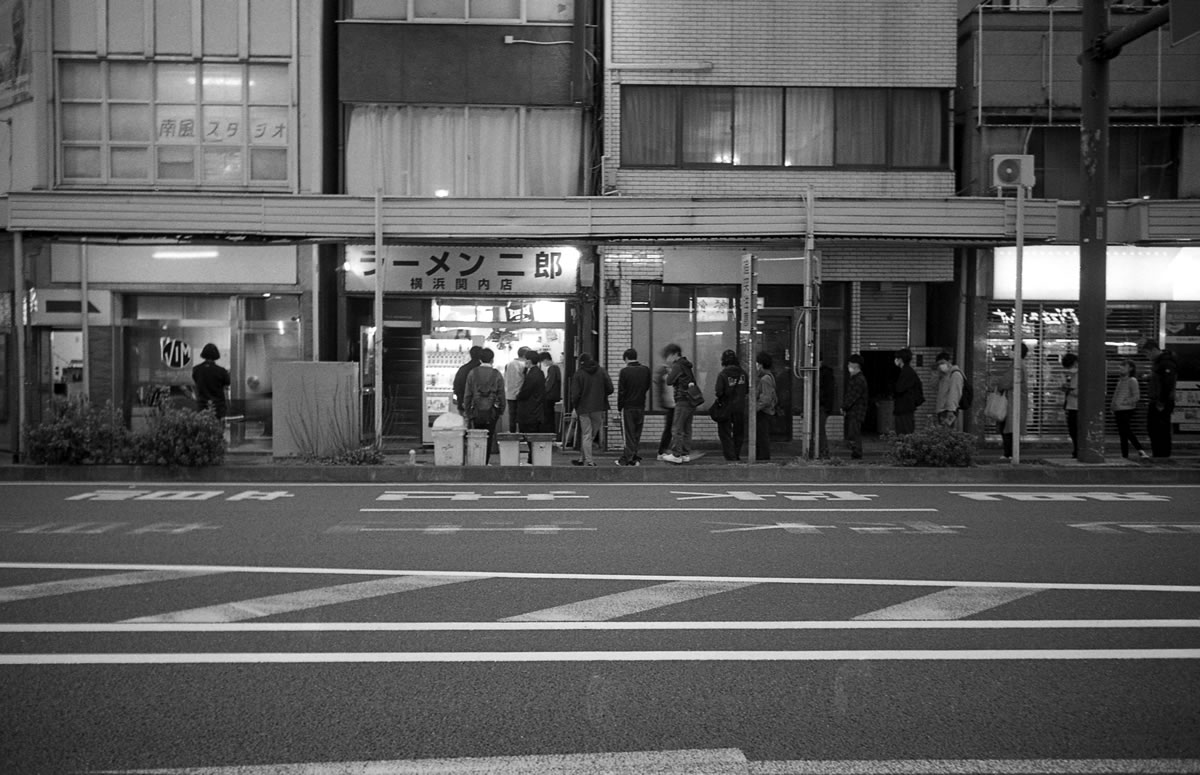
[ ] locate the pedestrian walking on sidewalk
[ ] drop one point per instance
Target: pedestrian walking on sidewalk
(1125, 399)
(590, 389)
(854, 405)
(1070, 391)
(633, 383)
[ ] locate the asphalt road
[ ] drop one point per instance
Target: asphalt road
(598, 628)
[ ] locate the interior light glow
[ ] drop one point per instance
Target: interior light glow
(185, 254)
(441, 193)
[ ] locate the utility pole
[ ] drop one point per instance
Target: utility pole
(1099, 46)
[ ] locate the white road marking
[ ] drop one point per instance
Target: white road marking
(633, 601)
(623, 485)
(655, 509)
(728, 761)
(92, 583)
(953, 603)
(1094, 587)
(844, 655)
(514, 626)
(299, 601)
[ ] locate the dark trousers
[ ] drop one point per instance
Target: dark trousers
(1158, 426)
(1007, 438)
(491, 442)
(512, 415)
(664, 443)
(823, 435)
(905, 423)
(853, 428)
(732, 432)
(1125, 431)
(1073, 430)
(548, 424)
(632, 421)
(762, 441)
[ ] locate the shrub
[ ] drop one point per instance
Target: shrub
(180, 437)
(77, 432)
(360, 456)
(934, 446)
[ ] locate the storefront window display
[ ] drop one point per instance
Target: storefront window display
(164, 336)
(1051, 330)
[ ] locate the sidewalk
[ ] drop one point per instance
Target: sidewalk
(1049, 464)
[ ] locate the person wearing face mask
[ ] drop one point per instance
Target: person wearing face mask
(854, 405)
(908, 393)
(553, 391)
(950, 390)
(1070, 390)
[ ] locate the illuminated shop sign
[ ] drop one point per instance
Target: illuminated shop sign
(1051, 273)
(536, 271)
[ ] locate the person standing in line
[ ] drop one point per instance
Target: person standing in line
(854, 405)
(590, 389)
(1125, 399)
(681, 376)
(553, 391)
(212, 382)
(1070, 390)
(1160, 397)
(460, 377)
(732, 386)
(514, 373)
(531, 398)
(907, 394)
(825, 396)
(1007, 385)
(766, 404)
(485, 398)
(632, 385)
(950, 390)
(666, 402)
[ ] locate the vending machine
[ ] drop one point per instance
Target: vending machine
(441, 359)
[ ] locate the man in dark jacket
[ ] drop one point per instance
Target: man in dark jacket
(553, 391)
(1160, 397)
(854, 405)
(460, 378)
(484, 402)
(732, 386)
(632, 385)
(679, 377)
(531, 398)
(907, 394)
(590, 389)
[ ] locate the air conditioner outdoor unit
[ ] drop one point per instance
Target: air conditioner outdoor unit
(1012, 171)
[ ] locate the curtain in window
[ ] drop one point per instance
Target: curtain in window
(758, 126)
(809, 117)
(494, 161)
(648, 125)
(861, 127)
(553, 152)
(918, 126)
(708, 126)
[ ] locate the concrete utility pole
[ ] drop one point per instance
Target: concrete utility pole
(1099, 46)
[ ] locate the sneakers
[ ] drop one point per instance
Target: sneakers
(662, 456)
(1142, 454)
(669, 458)
(626, 463)
(686, 459)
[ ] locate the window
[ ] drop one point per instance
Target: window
(1143, 161)
(691, 126)
(513, 11)
(181, 124)
(465, 151)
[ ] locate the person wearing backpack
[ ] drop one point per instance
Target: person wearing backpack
(485, 397)
(951, 386)
(680, 378)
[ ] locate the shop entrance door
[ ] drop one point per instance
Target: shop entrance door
(774, 336)
(402, 390)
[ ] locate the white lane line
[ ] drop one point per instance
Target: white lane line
(656, 509)
(974, 767)
(598, 609)
(513, 626)
(624, 485)
(953, 603)
(92, 583)
(1094, 587)
(299, 601)
(844, 655)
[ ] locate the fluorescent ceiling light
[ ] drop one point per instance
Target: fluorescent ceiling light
(176, 254)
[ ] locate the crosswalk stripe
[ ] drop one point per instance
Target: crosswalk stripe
(298, 601)
(953, 603)
(606, 607)
(92, 583)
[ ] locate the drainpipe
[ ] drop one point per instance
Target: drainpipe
(20, 316)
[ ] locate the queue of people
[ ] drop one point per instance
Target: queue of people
(531, 385)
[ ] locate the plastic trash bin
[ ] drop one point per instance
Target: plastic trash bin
(542, 447)
(448, 446)
(477, 442)
(510, 448)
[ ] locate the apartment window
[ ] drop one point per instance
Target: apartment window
(511, 11)
(689, 126)
(186, 124)
(1143, 162)
(465, 151)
